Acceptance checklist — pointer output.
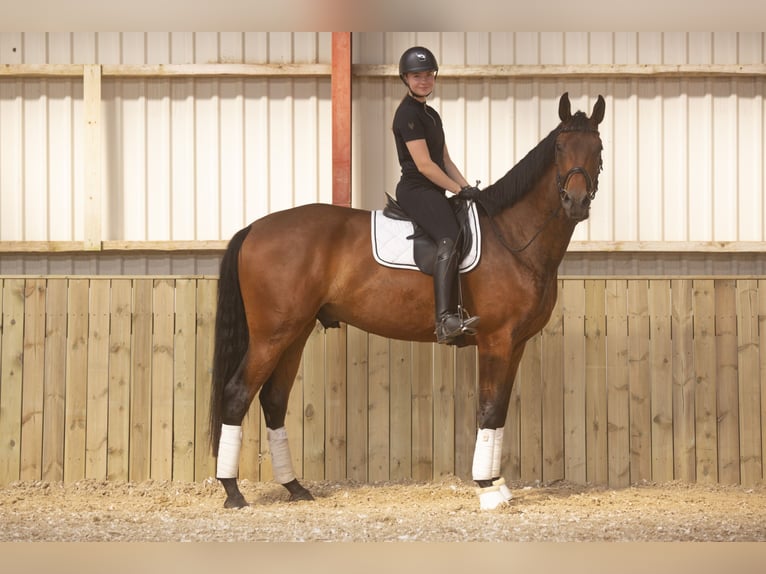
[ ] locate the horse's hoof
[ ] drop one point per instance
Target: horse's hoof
(504, 490)
(235, 502)
(297, 492)
(302, 494)
(490, 498)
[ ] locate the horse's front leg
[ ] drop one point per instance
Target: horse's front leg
(496, 376)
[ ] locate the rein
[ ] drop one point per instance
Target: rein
(563, 193)
(499, 234)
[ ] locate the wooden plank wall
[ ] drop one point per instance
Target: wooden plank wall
(636, 379)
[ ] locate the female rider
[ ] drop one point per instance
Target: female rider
(427, 171)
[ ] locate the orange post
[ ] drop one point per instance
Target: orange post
(341, 118)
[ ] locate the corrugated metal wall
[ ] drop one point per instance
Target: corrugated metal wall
(184, 159)
(683, 158)
(195, 159)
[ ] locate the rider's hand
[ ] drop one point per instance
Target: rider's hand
(469, 192)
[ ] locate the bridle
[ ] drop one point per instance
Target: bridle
(591, 185)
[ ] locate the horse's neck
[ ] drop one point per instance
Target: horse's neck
(539, 221)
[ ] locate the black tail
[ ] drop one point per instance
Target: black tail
(231, 336)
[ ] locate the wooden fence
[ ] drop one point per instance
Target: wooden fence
(632, 379)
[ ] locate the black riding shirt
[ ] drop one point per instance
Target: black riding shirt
(416, 120)
(423, 200)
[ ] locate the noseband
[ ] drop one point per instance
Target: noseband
(589, 185)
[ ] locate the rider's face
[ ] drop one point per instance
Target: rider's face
(421, 83)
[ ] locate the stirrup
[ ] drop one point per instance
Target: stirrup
(452, 326)
(469, 323)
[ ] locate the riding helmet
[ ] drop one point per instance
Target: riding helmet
(417, 59)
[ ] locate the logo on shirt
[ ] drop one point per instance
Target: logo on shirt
(411, 125)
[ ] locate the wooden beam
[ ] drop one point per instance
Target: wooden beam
(576, 71)
(167, 70)
(41, 70)
(215, 70)
(667, 246)
(341, 118)
(216, 245)
(388, 70)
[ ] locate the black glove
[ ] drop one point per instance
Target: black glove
(469, 192)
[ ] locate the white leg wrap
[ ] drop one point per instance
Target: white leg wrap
(483, 454)
(486, 465)
(280, 455)
(228, 451)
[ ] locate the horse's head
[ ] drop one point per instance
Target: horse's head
(578, 158)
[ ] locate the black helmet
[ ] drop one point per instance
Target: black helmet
(417, 59)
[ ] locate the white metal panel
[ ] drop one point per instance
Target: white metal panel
(256, 149)
(750, 140)
(724, 160)
(206, 159)
(649, 198)
(11, 162)
(674, 186)
(35, 158)
(182, 137)
(232, 158)
(620, 176)
(158, 160)
(700, 167)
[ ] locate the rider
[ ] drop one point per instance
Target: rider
(427, 171)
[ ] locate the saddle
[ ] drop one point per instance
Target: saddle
(424, 248)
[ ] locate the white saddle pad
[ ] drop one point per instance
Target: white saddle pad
(390, 246)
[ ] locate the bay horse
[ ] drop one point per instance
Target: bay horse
(285, 271)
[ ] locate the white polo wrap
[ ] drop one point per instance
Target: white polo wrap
(229, 446)
(483, 454)
(281, 461)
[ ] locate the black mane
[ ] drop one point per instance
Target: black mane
(522, 177)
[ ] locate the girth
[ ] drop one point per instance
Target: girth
(424, 247)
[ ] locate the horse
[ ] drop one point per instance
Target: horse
(288, 269)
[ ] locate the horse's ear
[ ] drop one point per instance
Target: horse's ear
(598, 110)
(565, 108)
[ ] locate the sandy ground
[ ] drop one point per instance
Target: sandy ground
(445, 511)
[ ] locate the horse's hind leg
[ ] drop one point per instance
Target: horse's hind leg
(238, 395)
(274, 396)
(272, 370)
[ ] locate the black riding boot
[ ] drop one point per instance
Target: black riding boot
(449, 324)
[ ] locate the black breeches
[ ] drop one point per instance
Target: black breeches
(430, 209)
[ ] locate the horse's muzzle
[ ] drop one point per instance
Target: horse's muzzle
(576, 209)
